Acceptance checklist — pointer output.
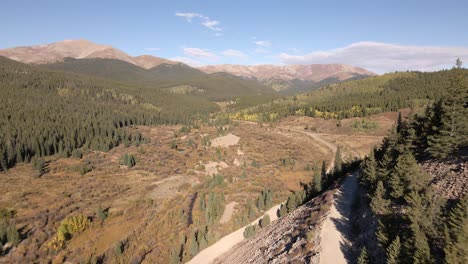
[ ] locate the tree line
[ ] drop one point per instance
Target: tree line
(413, 224)
(358, 98)
(44, 113)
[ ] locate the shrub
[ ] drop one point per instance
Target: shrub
(101, 213)
(77, 153)
(265, 221)
(82, 169)
(72, 225)
(39, 166)
(13, 235)
(119, 248)
(250, 231)
(128, 160)
(185, 129)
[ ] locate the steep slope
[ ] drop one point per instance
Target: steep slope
(54, 108)
(357, 98)
(293, 78)
(79, 49)
(175, 78)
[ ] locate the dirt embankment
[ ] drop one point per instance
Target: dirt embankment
(209, 254)
(293, 238)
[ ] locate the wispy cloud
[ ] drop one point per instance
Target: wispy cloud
(204, 20)
(234, 53)
(152, 49)
(200, 53)
(188, 16)
(188, 61)
(384, 57)
(211, 24)
(262, 43)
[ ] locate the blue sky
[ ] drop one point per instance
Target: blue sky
(400, 34)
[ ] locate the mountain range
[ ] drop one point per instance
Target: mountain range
(287, 79)
(78, 49)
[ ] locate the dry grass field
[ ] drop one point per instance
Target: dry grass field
(155, 206)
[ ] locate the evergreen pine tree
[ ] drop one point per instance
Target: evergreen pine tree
(269, 199)
(317, 179)
(368, 170)
(381, 234)
(260, 202)
(265, 221)
(323, 173)
(13, 235)
(421, 253)
(379, 204)
(193, 245)
(393, 251)
(456, 248)
(453, 117)
(363, 257)
(338, 166)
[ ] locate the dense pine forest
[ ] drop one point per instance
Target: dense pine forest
(179, 78)
(358, 98)
(44, 112)
(413, 224)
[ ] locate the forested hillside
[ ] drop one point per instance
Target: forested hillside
(176, 78)
(44, 112)
(412, 223)
(357, 98)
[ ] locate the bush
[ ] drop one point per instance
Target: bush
(82, 169)
(364, 124)
(8, 231)
(128, 160)
(119, 248)
(265, 221)
(13, 235)
(185, 129)
(39, 165)
(77, 153)
(101, 213)
(72, 225)
(250, 231)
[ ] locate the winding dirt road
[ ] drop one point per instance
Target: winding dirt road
(331, 251)
(336, 228)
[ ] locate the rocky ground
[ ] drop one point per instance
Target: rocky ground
(450, 179)
(294, 238)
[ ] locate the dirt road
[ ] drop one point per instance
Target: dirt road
(209, 254)
(336, 229)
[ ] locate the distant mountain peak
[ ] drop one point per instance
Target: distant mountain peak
(310, 72)
(78, 49)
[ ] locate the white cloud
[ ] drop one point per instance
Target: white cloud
(384, 57)
(211, 24)
(205, 21)
(200, 53)
(217, 34)
(234, 53)
(262, 43)
(152, 49)
(188, 61)
(189, 16)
